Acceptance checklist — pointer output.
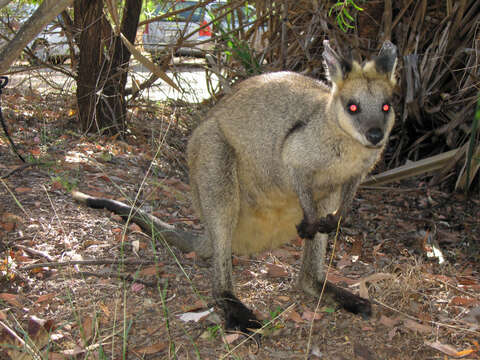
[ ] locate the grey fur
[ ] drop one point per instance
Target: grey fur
(283, 150)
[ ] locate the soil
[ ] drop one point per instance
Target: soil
(414, 250)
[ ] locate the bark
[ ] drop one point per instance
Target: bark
(45, 13)
(112, 107)
(87, 16)
(102, 79)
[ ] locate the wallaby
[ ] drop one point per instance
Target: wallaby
(282, 155)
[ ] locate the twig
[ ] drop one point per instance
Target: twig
(19, 168)
(126, 277)
(33, 354)
(35, 252)
(432, 322)
(89, 262)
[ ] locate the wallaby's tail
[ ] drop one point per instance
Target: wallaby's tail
(153, 226)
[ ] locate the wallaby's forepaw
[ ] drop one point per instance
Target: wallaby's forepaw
(237, 315)
(349, 301)
(308, 230)
(328, 224)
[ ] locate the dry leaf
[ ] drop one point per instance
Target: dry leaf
(8, 226)
(190, 255)
(465, 352)
(311, 315)
(12, 218)
(151, 270)
(276, 271)
(195, 316)
(230, 338)
(135, 246)
(87, 327)
(137, 287)
(199, 304)
(134, 228)
(105, 309)
(56, 185)
(38, 335)
(463, 301)
(121, 237)
(388, 322)
(336, 278)
(294, 316)
(444, 348)
(77, 350)
(280, 253)
(12, 299)
(105, 178)
(415, 326)
(45, 297)
(152, 349)
(22, 190)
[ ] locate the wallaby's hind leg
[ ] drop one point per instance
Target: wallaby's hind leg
(216, 196)
(312, 272)
(312, 277)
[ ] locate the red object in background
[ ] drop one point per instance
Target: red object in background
(206, 31)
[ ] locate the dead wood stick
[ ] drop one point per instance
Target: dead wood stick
(126, 277)
(90, 262)
(19, 168)
(35, 252)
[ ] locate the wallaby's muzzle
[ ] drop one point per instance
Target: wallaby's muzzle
(375, 136)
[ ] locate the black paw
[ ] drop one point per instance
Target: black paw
(349, 301)
(308, 230)
(327, 224)
(237, 315)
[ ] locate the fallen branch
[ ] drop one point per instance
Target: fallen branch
(89, 262)
(125, 277)
(19, 168)
(414, 168)
(35, 252)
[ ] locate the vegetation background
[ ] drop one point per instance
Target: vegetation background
(79, 283)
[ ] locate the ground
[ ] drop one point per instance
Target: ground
(413, 250)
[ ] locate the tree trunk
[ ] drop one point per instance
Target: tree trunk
(102, 79)
(86, 18)
(113, 108)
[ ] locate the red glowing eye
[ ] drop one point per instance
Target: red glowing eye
(385, 107)
(353, 108)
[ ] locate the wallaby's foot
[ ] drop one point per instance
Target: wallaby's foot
(237, 315)
(325, 225)
(349, 301)
(344, 298)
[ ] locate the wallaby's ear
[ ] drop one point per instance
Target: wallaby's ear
(386, 61)
(336, 67)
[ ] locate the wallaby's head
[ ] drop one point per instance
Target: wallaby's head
(361, 97)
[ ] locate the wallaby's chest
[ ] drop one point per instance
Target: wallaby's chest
(268, 223)
(348, 160)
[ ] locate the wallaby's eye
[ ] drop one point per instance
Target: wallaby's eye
(353, 108)
(386, 107)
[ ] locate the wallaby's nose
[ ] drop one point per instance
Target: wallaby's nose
(374, 135)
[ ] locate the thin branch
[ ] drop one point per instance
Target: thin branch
(34, 252)
(89, 262)
(19, 168)
(126, 277)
